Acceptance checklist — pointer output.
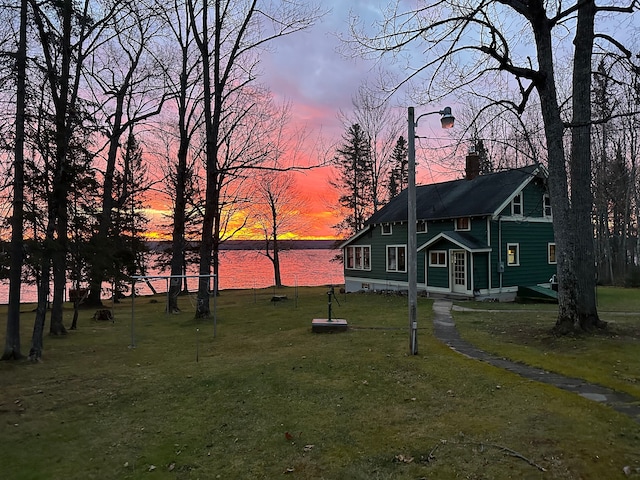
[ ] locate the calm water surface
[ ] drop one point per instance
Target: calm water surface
(245, 269)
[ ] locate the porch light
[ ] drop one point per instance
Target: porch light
(446, 120)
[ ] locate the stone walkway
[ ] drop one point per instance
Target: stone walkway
(445, 330)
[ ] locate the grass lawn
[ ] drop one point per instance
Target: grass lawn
(522, 332)
(269, 399)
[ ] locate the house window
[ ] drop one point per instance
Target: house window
(546, 205)
(551, 253)
(513, 254)
(421, 226)
(396, 258)
(463, 223)
(358, 257)
(516, 205)
(386, 229)
(437, 258)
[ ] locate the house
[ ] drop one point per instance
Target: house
(478, 237)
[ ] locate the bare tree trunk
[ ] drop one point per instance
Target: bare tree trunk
(179, 210)
(558, 184)
(12, 341)
(63, 114)
(37, 342)
(585, 316)
(203, 308)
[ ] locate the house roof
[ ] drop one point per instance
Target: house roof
(352, 238)
(463, 240)
(482, 196)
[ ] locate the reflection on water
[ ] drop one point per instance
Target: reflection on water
(251, 269)
(245, 269)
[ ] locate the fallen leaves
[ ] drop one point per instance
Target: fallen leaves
(400, 458)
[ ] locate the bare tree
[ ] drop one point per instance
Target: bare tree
(66, 32)
(128, 86)
(184, 84)
(615, 145)
(276, 209)
(228, 51)
(12, 341)
(469, 43)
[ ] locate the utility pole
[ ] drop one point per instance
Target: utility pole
(446, 120)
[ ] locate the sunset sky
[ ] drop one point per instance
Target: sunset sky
(307, 70)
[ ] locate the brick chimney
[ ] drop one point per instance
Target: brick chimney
(472, 167)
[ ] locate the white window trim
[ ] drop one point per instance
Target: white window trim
(387, 258)
(390, 232)
(555, 262)
(517, 263)
(362, 256)
(520, 203)
(438, 265)
(421, 222)
(546, 198)
(455, 224)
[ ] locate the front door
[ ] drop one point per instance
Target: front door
(459, 271)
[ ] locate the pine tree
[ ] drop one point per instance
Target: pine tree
(354, 163)
(399, 173)
(127, 248)
(486, 165)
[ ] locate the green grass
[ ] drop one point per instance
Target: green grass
(609, 358)
(357, 406)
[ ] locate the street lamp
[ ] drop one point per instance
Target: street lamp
(446, 120)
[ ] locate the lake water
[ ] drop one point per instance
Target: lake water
(245, 269)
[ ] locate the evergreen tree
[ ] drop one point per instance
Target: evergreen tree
(354, 164)
(399, 173)
(125, 255)
(486, 165)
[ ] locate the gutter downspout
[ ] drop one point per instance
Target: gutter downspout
(500, 265)
(489, 256)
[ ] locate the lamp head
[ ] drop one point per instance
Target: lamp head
(447, 119)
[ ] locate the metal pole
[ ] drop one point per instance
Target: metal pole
(412, 260)
(215, 306)
(133, 314)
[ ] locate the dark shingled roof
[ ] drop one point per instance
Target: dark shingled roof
(457, 198)
(461, 238)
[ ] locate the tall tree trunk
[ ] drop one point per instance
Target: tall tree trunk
(276, 259)
(61, 177)
(206, 244)
(12, 341)
(571, 215)
(585, 316)
(179, 210)
(37, 344)
(558, 184)
(102, 235)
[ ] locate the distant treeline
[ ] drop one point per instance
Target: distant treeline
(258, 245)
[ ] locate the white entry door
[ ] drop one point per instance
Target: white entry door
(459, 271)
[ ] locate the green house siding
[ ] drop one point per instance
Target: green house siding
(438, 277)
(532, 240)
(495, 225)
(378, 244)
(480, 271)
(533, 201)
